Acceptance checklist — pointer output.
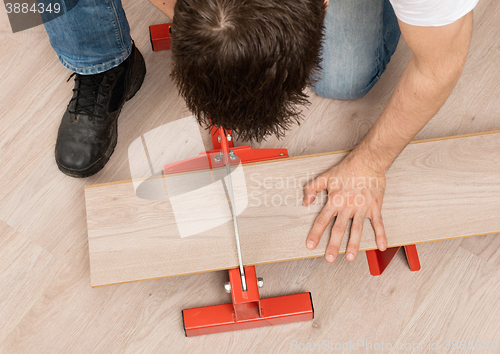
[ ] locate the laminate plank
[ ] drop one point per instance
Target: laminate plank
(351, 305)
(4, 23)
(10, 51)
(167, 321)
(134, 239)
(462, 305)
(486, 247)
(49, 207)
(71, 317)
(341, 294)
(33, 99)
(26, 270)
(29, 38)
(164, 332)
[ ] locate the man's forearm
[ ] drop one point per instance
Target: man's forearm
(414, 102)
(422, 90)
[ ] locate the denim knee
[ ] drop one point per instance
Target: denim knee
(360, 37)
(349, 83)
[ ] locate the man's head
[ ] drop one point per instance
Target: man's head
(245, 63)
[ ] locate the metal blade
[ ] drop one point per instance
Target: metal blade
(235, 222)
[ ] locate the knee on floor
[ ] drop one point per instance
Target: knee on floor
(347, 83)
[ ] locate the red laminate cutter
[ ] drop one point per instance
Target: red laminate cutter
(247, 309)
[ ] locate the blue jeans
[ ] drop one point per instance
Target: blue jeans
(360, 37)
(93, 37)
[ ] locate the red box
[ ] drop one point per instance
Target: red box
(160, 36)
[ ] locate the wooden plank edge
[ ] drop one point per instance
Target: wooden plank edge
(290, 259)
(312, 155)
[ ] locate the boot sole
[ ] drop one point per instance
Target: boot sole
(99, 164)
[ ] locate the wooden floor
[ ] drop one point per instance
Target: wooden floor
(48, 306)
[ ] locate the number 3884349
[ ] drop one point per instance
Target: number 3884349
(24, 8)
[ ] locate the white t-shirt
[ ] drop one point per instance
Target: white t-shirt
(431, 12)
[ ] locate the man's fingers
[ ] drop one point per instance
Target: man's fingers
(309, 198)
(355, 237)
(314, 187)
(338, 231)
(378, 226)
(319, 226)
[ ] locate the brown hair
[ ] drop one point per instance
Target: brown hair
(244, 64)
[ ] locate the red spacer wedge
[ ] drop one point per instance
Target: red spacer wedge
(378, 261)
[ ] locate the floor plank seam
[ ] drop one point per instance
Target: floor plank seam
(21, 181)
(146, 322)
(56, 277)
(427, 294)
(19, 62)
(484, 260)
(271, 328)
(262, 341)
(306, 118)
(16, 230)
(312, 273)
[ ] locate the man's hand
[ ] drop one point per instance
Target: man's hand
(354, 192)
(439, 55)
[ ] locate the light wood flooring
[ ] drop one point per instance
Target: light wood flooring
(48, 306)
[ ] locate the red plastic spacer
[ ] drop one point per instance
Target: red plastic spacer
(160, 36)
(378, 260)
(412, 257)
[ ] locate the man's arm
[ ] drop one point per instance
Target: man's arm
(439, 55)
(165, 6)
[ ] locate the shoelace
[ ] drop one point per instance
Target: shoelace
(88, 90)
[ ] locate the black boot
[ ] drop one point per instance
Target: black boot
(88, 131)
